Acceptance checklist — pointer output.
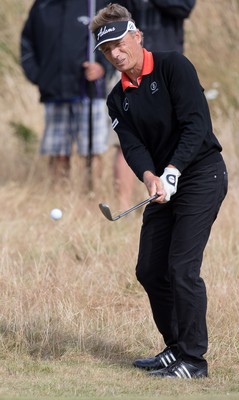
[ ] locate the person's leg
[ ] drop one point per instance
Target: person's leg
(124, 180)
(100, 135)
(152, 268)
(173, 238)
(59, 167)
(195, 207)
(57, 140)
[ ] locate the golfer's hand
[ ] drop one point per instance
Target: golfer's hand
(93, 71)
(154, 185)
(169, 180)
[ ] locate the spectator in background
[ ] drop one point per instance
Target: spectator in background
(162, 23)
(55, 57)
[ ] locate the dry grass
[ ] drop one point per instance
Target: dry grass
(72, 313)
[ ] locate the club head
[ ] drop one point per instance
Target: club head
(106, 212)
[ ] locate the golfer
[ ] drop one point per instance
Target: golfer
(159, 111)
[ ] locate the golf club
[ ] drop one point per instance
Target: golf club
(107, 213)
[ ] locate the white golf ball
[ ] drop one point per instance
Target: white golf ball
(56, 214)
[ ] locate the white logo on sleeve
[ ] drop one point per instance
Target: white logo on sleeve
(115, 123)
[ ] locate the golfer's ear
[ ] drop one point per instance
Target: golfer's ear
(138, 36)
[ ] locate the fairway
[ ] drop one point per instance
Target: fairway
(234, 396)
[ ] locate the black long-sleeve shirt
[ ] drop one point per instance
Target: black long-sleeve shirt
(164, 120)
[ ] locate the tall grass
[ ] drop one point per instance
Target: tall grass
(71, 284)
(68, 288)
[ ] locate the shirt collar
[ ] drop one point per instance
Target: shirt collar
(148, 66)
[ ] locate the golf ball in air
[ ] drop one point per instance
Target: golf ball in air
(56, 214)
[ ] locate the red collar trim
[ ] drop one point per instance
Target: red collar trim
(148, 67)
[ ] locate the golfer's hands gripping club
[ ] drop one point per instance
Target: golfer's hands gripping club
(165, 185)
(170, 181)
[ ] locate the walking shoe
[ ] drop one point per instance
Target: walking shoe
(161, 360)
(181, 369)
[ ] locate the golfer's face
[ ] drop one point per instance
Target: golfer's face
(123, 54)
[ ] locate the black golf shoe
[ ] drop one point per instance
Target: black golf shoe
(181, 369)
(161, 360)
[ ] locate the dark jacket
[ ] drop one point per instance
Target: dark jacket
(165, 120)
(54, 44)
(161, 21)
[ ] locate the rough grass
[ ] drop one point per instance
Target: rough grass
(73, 316)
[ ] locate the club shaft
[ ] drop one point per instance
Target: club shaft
(142, 203)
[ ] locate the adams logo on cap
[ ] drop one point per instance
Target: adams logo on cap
(104, 31)
(113, 31)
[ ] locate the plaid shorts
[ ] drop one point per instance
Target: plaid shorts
(66, 123)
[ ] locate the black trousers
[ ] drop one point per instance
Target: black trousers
(172, 242)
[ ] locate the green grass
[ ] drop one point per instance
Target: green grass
(91, 378)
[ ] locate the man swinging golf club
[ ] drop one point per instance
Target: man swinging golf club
(161, 116)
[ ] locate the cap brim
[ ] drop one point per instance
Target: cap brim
(113, 31)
